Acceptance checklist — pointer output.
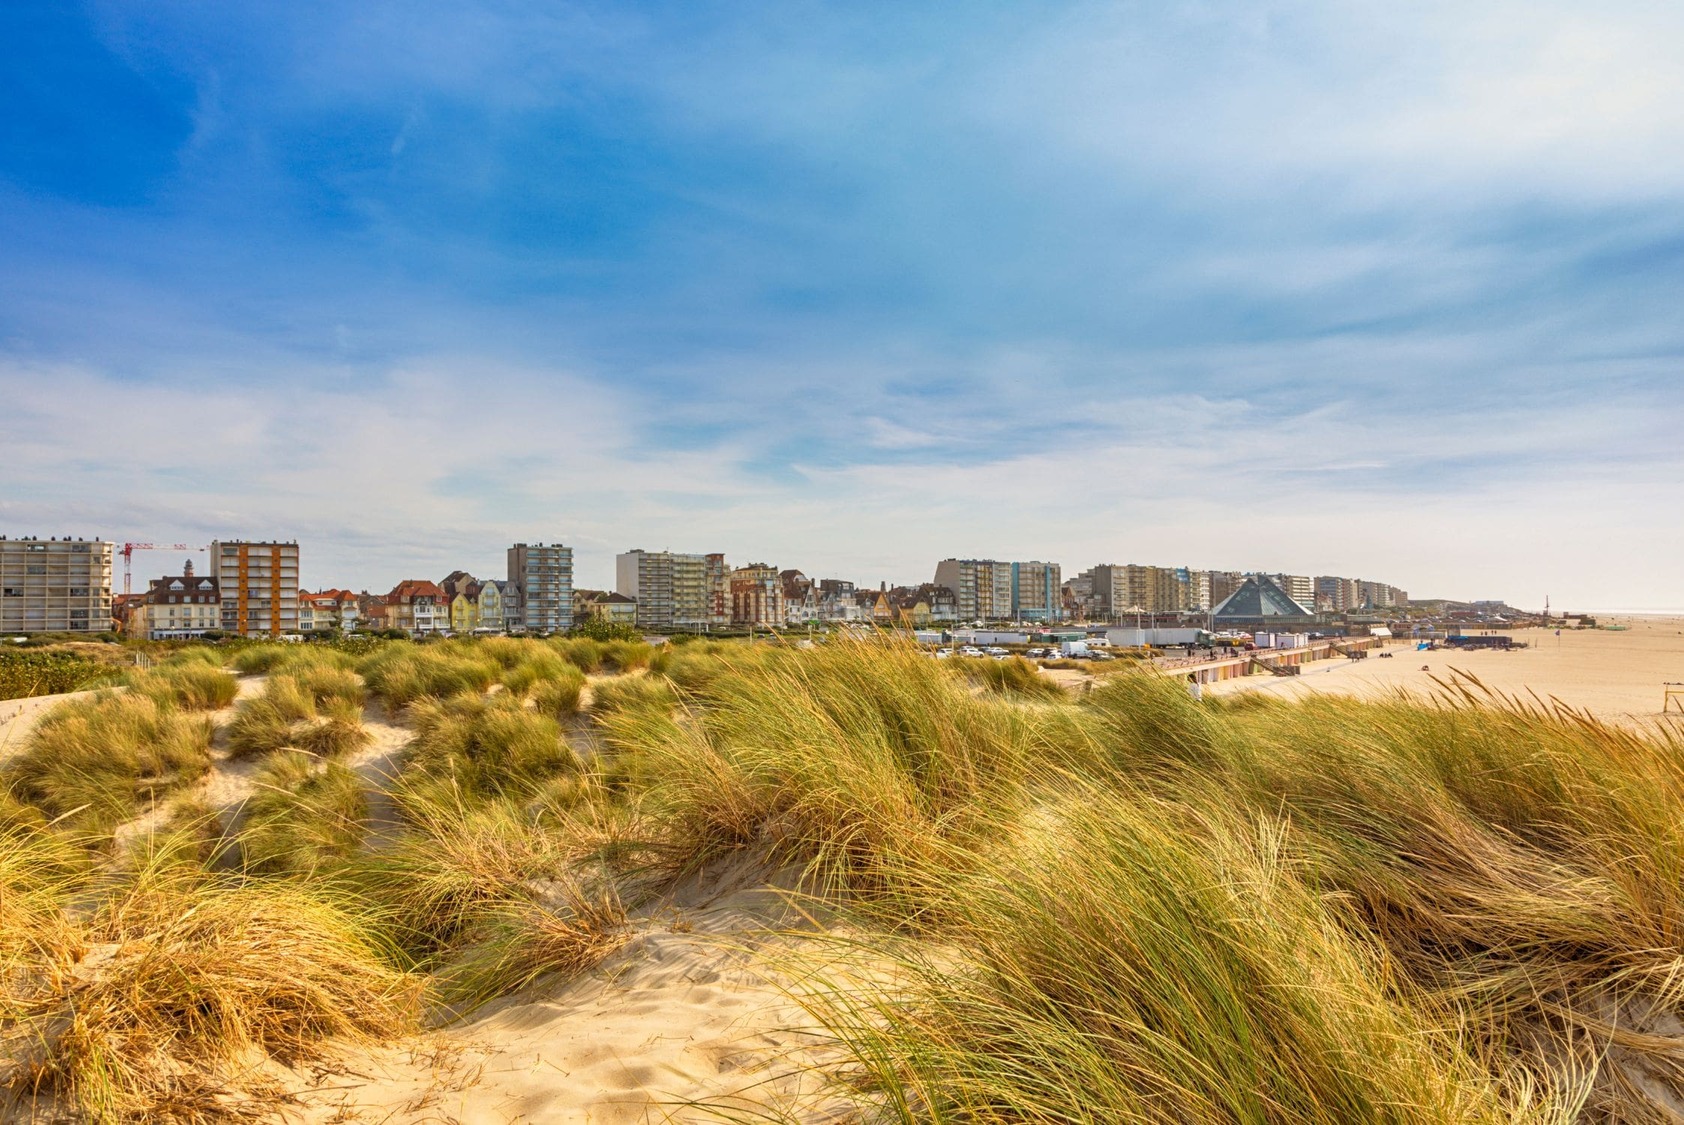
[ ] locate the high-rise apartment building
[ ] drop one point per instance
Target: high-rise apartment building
(674, 591)
(1301, 588)
(1223, 583)
(990, 590)
(541, 582)
(1336, 594)
(1037, 593)
(1112, 592)
(55, 585)
(259, 586)
(1195, 589)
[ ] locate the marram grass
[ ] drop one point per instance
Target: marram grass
(1129, 906)
(97, 761)
(156, 1006)
(307, 813)
(313, 711)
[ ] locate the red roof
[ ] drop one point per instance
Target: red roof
(412, 588)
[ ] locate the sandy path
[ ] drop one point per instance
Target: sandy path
(1615, 675)
(690, 1010)
(232, 781)
(223, 788)
(19, 716)
(377, 765)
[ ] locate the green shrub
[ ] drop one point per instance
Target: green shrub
(632, 693)
(627, 656)
(1014, 675)
(520, 678)
(198, 978)
(27, 672)
(584, 653)
(1132, 960)
(558, 698)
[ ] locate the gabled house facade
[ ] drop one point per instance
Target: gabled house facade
(418, 607)
(177, 607)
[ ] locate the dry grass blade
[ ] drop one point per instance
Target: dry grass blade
(178, 988)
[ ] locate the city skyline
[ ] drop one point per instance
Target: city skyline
(855, 289)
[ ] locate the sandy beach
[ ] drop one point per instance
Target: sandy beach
(1615, 674)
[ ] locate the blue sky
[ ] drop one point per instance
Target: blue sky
(1330, 288)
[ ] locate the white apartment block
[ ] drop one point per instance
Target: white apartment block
(55, 585)
(674, 591)
(259, 585)
(541, 586)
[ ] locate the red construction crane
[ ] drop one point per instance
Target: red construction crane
(130, 548)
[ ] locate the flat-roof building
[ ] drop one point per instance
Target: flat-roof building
(55, 585)
(541, 581)
(673, 590)
(258, 584)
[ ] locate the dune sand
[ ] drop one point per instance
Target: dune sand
(19, 716)
(1615, 675)
(693, 1011)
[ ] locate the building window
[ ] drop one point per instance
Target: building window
(13, 592)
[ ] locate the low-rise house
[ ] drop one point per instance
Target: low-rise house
(928, 604)
(801, 603)
(604, 605)
(326, 611)
(464, 609)
(122, 605)
(489, 615)
(373, 612)
(838, 600)
(876, 607)
(418, 607)
(514, 613)
(461, 592)
(177, 607)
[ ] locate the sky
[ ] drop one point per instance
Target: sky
(1385, 291)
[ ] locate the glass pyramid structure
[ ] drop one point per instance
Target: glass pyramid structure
(1260, 599)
